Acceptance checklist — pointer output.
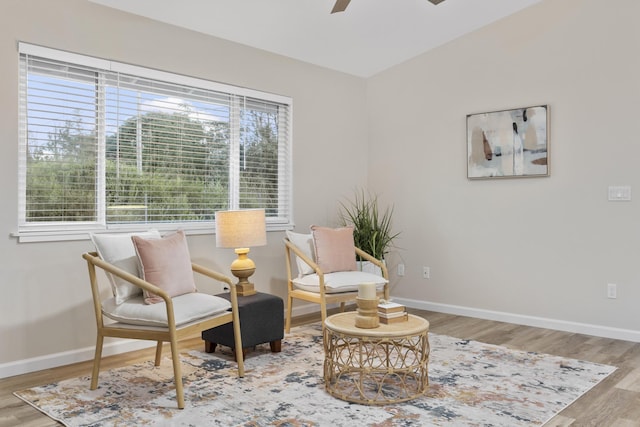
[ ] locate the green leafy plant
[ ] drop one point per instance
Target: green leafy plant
(372, 226)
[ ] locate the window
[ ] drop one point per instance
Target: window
(106, 145)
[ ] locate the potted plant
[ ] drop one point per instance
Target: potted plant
(371, 226)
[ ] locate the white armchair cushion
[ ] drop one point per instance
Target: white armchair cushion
(118, 249)
(339, 281)
(186, 308)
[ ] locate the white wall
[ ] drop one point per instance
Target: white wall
(45, 307)
(528, 250)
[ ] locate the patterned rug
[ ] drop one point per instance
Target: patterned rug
(471, 384)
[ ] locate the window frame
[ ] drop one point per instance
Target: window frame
(69, 230)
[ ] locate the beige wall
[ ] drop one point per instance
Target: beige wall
(537, 251)
(45, 302)
(540, 250)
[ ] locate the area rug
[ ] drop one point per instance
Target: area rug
(471, 384)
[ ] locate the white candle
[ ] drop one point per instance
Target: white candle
(367, 291)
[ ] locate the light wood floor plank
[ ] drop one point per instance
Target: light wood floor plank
(560, 421)
(631, 382)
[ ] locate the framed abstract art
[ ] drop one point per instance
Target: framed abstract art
(509, 143)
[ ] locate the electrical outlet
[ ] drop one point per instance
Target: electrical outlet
(426, 272)
(612, 290)
(400, 269)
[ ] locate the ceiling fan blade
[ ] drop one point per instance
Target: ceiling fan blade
(341, 5)
(436, 1)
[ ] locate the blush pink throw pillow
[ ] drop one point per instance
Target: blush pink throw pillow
(334, 248)
(165, 263)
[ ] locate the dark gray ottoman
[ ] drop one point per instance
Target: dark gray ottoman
(261, 321)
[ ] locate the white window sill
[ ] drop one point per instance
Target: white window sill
(84, 234)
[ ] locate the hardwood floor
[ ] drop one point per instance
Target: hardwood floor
(615, 402)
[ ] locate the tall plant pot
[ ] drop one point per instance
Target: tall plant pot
(369, 267)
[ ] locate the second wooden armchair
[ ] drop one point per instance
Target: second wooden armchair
(314, 284)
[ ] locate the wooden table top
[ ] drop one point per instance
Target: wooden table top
(345, 323)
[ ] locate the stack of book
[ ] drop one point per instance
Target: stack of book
(392, 312)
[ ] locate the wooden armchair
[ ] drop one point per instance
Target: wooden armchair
(170, 320)
(313, 285)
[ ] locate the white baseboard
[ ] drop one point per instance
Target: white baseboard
(122, 346)
(538, 322)
(68, 357)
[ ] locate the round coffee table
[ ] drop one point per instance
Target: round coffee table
(376, 366)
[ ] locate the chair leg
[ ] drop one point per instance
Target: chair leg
(323, 311)
(342, 306)
(240, 356)
(158, 353)
(96, 362)
(177, 372)
(239, 350)
(287, 327)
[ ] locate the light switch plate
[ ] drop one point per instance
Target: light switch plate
(619, 193)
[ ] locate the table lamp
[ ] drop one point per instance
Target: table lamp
(241, 229)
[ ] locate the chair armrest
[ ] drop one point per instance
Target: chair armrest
(368, 257)
(362, 254)
(94, 259)
(235, 310)
(302, 256)
(212, 274)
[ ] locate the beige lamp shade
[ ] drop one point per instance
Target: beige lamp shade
(241, 228)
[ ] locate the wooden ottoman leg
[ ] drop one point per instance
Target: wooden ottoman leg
(209, 347)
(276, 346)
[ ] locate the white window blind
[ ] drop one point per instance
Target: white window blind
(111, 145)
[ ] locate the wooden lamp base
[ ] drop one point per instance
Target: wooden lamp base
(243, 267)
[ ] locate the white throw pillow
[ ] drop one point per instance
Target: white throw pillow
(305, 243)
(118, 249)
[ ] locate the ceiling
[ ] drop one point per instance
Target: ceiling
(369, 37)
